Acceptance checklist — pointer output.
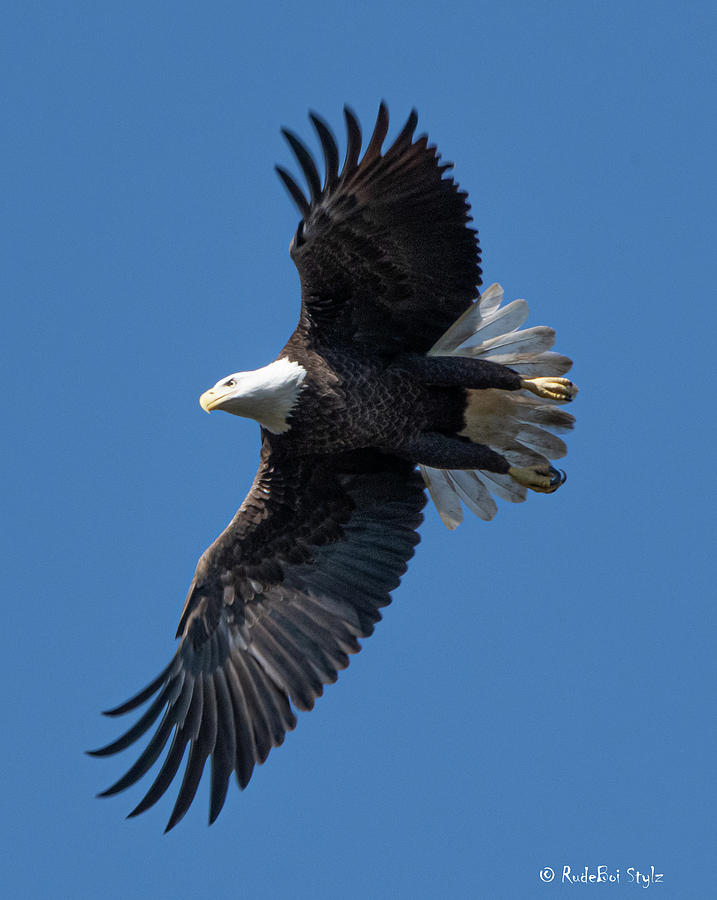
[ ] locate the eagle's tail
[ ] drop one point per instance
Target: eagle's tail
(517, 424)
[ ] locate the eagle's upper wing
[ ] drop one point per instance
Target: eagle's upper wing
(276, 604)
(384, 252)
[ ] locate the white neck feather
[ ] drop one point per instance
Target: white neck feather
(268, 394)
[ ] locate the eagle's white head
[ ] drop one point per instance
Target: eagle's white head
(267, 394)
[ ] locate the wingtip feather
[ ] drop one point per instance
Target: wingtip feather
(297, 195)
(373, 151)
(305, 160)
(329, 148)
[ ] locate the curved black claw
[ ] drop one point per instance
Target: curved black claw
(557, 477)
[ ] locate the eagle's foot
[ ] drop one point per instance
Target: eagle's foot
(543, 479)
(551, 388)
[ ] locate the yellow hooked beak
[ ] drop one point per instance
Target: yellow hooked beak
(212, 398)
(207, 399)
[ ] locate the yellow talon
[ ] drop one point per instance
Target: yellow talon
(550, 388)
(545, 480)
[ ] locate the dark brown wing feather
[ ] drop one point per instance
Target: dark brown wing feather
(384, 252)
(276, 605)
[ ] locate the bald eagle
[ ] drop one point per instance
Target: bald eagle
(399, 376)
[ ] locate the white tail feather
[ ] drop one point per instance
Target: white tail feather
(530, 366)
(490, 299)
(504, 321)
(515, 423)
(505, 487)
(473, 493)
(531, 341)
(444, 496)
(467, 323)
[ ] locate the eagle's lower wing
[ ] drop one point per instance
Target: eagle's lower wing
(276, 604)
(384, 252)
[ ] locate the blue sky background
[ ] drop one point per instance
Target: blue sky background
(541, 692)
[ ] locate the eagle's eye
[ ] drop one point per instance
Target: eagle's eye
(230, 383)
